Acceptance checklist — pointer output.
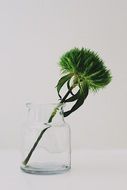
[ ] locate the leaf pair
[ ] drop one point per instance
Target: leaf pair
(79, 97)
(61, 83)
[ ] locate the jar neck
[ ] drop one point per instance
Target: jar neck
(45, 113)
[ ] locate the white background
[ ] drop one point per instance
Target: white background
(33, 35)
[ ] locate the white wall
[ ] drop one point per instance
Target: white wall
(33, 35)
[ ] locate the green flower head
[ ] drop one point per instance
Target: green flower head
(87, 66)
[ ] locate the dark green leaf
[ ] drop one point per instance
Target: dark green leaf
(79, 102)
(73, 97)
(61, 82)
(69, 88)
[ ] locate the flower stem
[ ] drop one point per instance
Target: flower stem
(25, 162)
(34, 146)
(62, 101)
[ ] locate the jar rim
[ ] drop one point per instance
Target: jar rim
(33, 104)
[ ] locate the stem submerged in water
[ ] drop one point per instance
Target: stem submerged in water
(34, 146)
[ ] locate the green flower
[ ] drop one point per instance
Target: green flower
(86, 70)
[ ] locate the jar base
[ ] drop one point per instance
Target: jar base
(45, 169)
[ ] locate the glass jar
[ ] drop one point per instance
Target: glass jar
(46, 144)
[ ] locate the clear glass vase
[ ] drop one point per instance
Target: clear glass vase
(46, 144)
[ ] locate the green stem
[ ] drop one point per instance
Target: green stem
(62, 101)
(34, 146)
(43, 131)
